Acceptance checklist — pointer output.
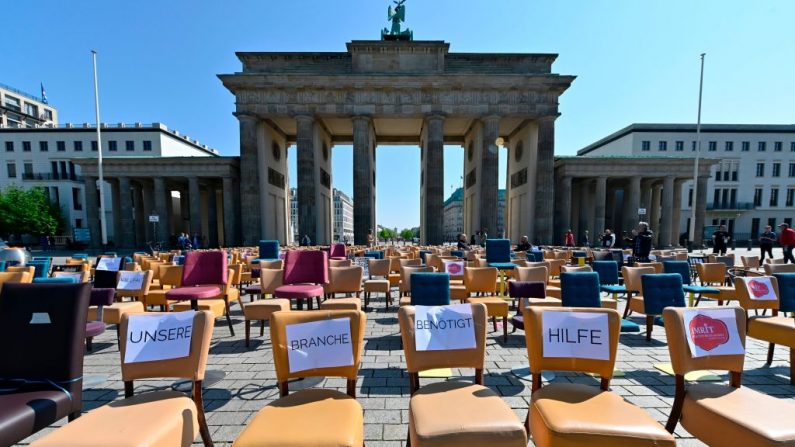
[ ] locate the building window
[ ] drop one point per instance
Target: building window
(758, 197)
(792, 147)
(777, 146)
(746, 146)
(12, 170)
(129, 145)
(729, 146)
(716, 199)
(734, 174)
(680, 146)
(26, 146)
(78, 223)
(645, 145)
(773, 196)
(27, 170)
(771, 221)
(60, 146)
(76, 205)
(690, 197)
(44, 146)
(790, 197)
(147, 145)
(32, 110)
(755, 226)
(9, 146)
(48, 114)
(788, 221)
(78, 146)
(663, 146)
(93, 146)
(717, 175)
(792, 169)
(713, 146)
(776, 169)
(733, 198)
(112, 146)
(761, 146)
(760, 169)
(695, 145)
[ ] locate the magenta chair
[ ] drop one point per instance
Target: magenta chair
(338, 252)
(305, 272)
(204, 276)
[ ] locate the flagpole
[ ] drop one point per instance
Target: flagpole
(698, 154)
(102, 223)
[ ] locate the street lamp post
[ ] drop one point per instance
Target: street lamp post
(692, 230)
(102, 223)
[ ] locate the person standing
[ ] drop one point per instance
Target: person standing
(484, 234)
(641, 244)
(786, 238)
(766, 241)
(568, 238)
(370, 238)
(305, 241)
(524, 244)
(608, 239)
(462, 242)
(720, 240)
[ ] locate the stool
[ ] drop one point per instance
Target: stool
(376, 285)
(495, 307)
(262, 310)
(341, 303)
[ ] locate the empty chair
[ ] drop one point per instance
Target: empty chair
(346, 280)
(305, 273)
(608, 277)
(750, 262)
(338, 251)
(99, 298)
(772, 269)
(524, 291)
(268, 250)
(482, 281)
(153, 418)
(659, 291)
(311, 417)
(428, 289)
(683, 269)
(658, 267)
(261, 310)
(170, 278)
(455, 413)
(204, 275)
(581, 289)
(786, 292)
(723, 414)
(714, 275)
(574, 414)
(405, 279)
(634, 286)
(378, 281)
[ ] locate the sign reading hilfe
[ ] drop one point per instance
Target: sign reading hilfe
(712, 332)
(442, 328)
(158, 337)
(583, 335)
(319, 344)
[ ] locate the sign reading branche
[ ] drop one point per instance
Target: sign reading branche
(712, 332)
(442, 328)
(158, 337)
(583, 335)
(319, 344)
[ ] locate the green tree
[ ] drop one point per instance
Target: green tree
(28, 211)
(406, 234)
(386, 234)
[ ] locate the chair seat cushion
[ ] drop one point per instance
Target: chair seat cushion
(342, 303)
(94, 328)
(394, 278)
(263, 309)
(779, 330)
(157, 298)
(151, 418)
(723, 293)
(112, 314)
(495, 306)
(448, 414)
(314, 417)
(217, 307)
(377, 285)
(613, 288)
(553, 291)
(722, 415)
(193, 293)
(24, 413)
(299, 291)
(569, 414)
(699, 289)
(609, 303)
(458, 292)
(405, 301)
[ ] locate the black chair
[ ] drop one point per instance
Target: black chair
(41, 357)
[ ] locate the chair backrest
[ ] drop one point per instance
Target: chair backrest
(277, 264)
(337, 250)
(555, 265)
(682, 359)
(728, 260)
(498, 250)
(786, 291)
(480, 279)
(105, 279)
(741, 292)
(306, 267)
(410, 262)
(430, 289)
(138, 293)
(14, 277)
(711, 272)
(534, 336)
(459, 358)
(535, 256)
(772, 269)
(279, 322)
(345, 279)
(16, 268)
(681, 267)
(662, 290)
(575, 268)
(775, 261)
(378, 267)
(191, 367)
(340, 263)
(56, 280)
(82, 276)
(607, 270)
(270, 280)
(268, 249)
(41, 267)
(537, 273)
(750, 261)
(527, 289)
(580, 289)
(658, 268)
(170, 275)
(632, 276)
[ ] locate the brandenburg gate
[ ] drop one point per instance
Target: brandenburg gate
(400, 93)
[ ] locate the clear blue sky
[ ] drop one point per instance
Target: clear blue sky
(636, 61)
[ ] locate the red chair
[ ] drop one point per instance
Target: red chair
(338, 251)
(305, 272)
(204, 276)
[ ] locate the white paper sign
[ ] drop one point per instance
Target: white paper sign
(454, 268)
(158, 337)
(442, 328)
(40, 318)
(109, 264)
(582, 335)
(76, 275)
(760, 288)
(131, 280)
(712, 332)
(319, 344)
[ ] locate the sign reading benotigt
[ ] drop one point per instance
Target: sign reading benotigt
(158, 337)
(319, 344)
(583, 335)
(441, 328)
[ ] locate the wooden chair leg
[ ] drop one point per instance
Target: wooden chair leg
(770, 348)
(494, 323)
(73, 416)
(248, 332)
(228, 317)
(792, 366)
(203, 429)
(505, 329)
(89, 344)
(262, 328)
(626, 310)
(649, 326)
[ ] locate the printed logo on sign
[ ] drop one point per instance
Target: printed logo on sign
(760, 289)
(319, 344)
(442, 328)
(708, 333)
(454, 268)
(581, 335)
(712, 332)
(158, 337)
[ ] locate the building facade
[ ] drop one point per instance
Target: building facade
(751, 185)
(343, 217)
(23, 110)
(454, 216)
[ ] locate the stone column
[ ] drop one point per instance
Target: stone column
(701, 209)
(148, 201)
(140, 217)
(564, 202)
(126, 214)
(600, 202)
(250, 180)
(363, 180)
(668, 191)
(676, 211)
(212, 216)
(162, 209)
(307, 177)
(115, 198)
(432, 231)
(654, 212)
(230, 213)
(632, 196)
(583, 211)
(92, 211)
(488, 175)
(545, 181)
(194, 205)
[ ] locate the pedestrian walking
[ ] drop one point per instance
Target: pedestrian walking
(786, 238)
(766, 241)
(720, 240)
(641, 244)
